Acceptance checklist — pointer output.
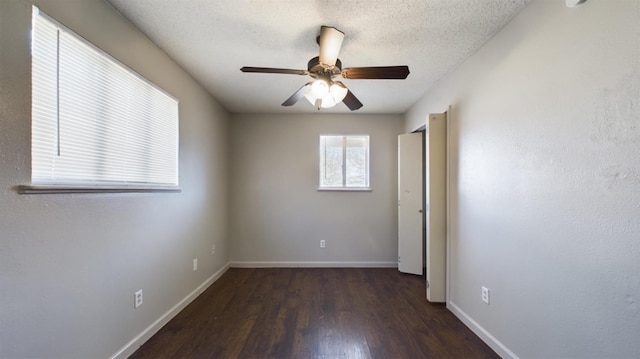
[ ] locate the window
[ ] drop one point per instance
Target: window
(344, 162)
(95, 122)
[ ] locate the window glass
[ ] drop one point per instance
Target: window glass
(344, 161)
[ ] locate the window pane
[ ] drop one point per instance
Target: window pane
(344, 161)
(357, 172)
(331, 158)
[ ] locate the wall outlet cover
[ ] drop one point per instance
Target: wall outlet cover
(137, 296)
(485, 295)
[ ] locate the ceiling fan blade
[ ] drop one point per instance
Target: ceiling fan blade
(352, 101)
(297, 95)
(379, 72)
(330, 44)
(271, 70)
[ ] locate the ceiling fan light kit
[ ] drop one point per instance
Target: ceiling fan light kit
(324, 92)
(323, 95)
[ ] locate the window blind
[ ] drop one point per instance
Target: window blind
(94, 120)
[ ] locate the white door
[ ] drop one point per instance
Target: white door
(410, 190)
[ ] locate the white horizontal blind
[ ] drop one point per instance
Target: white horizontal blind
(95, 121)
(344, 161)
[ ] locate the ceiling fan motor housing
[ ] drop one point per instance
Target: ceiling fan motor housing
(320, 70)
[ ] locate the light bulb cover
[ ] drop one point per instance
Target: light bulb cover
(338, 91)
(329, 94)
(328, 101)
(320, 88)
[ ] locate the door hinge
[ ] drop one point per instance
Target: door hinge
(427, 284)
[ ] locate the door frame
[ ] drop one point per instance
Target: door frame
(422, 129)
(448, 203)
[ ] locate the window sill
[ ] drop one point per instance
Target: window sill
(345, 189)
(47, 189)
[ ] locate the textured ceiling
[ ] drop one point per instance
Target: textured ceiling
(212, 39)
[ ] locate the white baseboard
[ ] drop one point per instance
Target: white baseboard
(148, 332)
(491, 341)
(240, 264)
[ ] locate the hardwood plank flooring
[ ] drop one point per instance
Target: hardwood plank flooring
(315, 313)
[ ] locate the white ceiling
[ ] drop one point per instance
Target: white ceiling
(213, 39)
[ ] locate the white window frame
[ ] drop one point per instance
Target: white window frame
(123, 137)
(344, 186)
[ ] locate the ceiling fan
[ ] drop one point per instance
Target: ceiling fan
(323, 91)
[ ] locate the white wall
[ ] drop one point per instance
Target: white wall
(70, 263)
(545, 184)
(278, 216)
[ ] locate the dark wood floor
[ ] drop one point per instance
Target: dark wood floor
(315, 313)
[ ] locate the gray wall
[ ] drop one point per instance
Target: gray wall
(545, 181)
(545, 187)
(278, 216)
(70, 263)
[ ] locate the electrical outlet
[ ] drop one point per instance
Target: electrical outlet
(137, 298)
(322, 243)
(485, 295)
(213, 249)
(195, 264)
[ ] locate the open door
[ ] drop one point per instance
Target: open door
(410, 196)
